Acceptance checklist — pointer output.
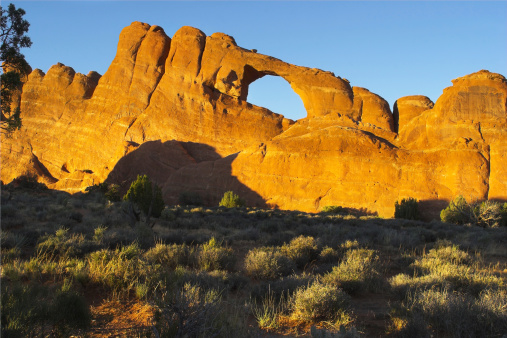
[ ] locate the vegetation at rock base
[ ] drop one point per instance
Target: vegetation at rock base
(333, 209)
(231, 200)
(12, 37)
(76, 265)
(407, 209)
(484, 214)
(146, 195)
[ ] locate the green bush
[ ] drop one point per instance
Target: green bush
(333, 209)
(302, 250)
(146, 196)
(487, 214)
(407, 209)
(457, 212)
(268, 263)
(319, 302)
(113, 193)
(231, 200)
(29, 181)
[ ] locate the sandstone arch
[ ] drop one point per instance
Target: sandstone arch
(192, 88)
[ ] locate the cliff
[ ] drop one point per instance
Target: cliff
(176, 109)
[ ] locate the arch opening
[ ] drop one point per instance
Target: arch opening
(275, 93)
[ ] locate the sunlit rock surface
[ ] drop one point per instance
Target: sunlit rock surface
(177, 109)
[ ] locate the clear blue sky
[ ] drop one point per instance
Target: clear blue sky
(394, 49)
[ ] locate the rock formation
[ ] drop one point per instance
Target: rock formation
(176, 109)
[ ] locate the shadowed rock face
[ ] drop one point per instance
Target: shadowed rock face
(176, 109)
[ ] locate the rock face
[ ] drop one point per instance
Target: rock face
(176, 109)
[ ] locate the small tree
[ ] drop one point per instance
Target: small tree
(458, 211)
(231, 200)
(147, 196)
(407, 209)
(12, 37)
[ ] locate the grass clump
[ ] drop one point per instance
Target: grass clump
(231, 200)
(268, 263)
(119, 270)
(302, 250)
(446, 266)
(268, 313)
(38, 310)
(445, 313)
(170, 255)
(407, 209)
(212, 256)
(320, 302)
(358, 272)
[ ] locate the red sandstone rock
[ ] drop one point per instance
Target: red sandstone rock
(176, 109)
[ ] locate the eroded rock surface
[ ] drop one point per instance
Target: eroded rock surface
(176, 109)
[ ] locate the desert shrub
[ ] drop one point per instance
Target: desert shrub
(281, 287)
(329, 255)
(491, 214)
(147, 196)
(69, 310)
(169, 214)
(98, 233)
(268, 263)
(302, 250)
(29, 181)
(319, 302)
(24, 310)
(457, 212)
(231, 200)
(119, 270)
(487, 214)
(192, 312)
(212, 256)
(333, 209)
(359, 271)
(406, 209)
(8, 210)
(62, 244)
(190, 198)
(217, 280)
(30, 310)
(268, 312)
(170, 255)
(446, 313)
(447, 267)
(113, 193)
(100, 187)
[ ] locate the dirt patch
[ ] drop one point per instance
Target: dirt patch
(118, 318)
